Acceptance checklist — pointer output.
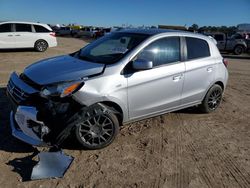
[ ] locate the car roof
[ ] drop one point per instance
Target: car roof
(153, 32)
(23, 22)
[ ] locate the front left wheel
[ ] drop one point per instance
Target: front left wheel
(98, 129)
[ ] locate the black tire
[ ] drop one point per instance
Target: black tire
(98, 129)
(41, 46)
(212, 99)
(239, 49)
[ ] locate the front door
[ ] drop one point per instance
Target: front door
(158, 89)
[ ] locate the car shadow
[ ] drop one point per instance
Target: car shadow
(247, 56)
(17, 50)
(190, 110)
(7, 142)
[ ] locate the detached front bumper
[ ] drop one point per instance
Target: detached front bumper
(26, 127)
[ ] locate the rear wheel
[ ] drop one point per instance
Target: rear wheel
(212, 99)
(41, 45)
(98, 129)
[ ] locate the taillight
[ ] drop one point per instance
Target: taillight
(225, 61)
(52, 34)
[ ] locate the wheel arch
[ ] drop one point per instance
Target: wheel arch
(220, 83)
(242, 45)
(111, 104)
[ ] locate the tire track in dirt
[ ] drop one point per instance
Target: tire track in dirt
(161, 153)
(226, 163)
(180, 177)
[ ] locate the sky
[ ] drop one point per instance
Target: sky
(134, 12)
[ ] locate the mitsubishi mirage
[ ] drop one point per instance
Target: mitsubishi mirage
(123, 77)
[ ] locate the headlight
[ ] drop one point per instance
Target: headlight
(61, 90)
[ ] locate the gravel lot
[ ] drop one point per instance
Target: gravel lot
(181, 149)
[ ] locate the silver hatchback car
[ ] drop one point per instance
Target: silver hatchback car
(120, 78)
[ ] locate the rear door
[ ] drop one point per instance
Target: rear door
(158, 89)
(24, 35)
(6, 36)
(199, 70)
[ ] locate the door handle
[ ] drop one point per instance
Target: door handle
(17, 35)
(10, 35)
(177, 77)
(209, 69)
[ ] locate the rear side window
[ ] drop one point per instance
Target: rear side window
(5, 28)
(41, 29)
(162, 51)
(197, 48)
(23, 28)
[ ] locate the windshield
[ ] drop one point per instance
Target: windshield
(111, 48)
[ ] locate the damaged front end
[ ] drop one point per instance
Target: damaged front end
(40, 115)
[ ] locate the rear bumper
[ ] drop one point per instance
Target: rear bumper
(21, 130)
(53, 42)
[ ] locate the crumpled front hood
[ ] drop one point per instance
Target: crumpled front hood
(61, 68)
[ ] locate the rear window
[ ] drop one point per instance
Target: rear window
(23, 28)
(197, 48)
(5, 28)
(41, 29)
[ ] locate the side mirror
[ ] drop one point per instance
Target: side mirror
(141, 64)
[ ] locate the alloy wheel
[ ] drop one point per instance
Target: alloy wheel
(214, 99)
(41, 46)
(96, 130)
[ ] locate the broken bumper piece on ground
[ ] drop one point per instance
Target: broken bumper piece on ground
(51, 165)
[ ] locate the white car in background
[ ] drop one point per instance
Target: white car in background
(26, 35)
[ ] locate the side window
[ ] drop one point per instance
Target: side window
(5, 28)
(162, 51)
(197, 48)
(41, 29)
(23, 28)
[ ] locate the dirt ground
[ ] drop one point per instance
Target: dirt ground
(181, 149)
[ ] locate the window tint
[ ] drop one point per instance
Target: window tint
(162, 51)
(197, 48)
(5, 28)
(219, 37)
(41, 29)
(23, 28)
